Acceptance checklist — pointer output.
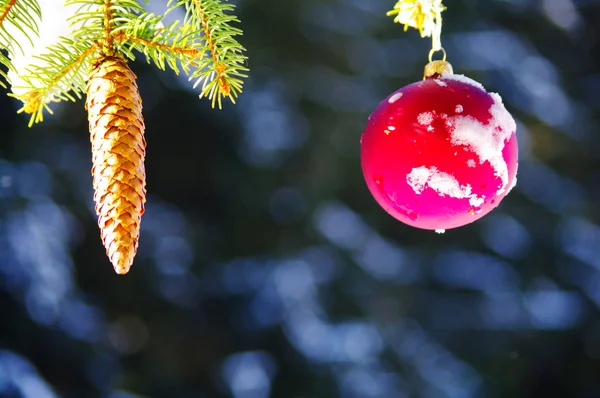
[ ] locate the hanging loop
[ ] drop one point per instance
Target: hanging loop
(433, 51)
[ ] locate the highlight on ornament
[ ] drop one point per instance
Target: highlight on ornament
(442, 152)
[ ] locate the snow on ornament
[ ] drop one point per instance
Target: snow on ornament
(440, 153)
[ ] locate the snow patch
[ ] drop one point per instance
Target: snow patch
(458, 109)
(425, 118)
(476, 201)
(514, 184)
(440, 82)
(463, 79)
(444, 184)
(394, 98)
(486, 140)
(471, 163)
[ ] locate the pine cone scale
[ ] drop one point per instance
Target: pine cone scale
(118, 150)
(105, 185)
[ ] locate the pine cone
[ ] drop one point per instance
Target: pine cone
(118, 150)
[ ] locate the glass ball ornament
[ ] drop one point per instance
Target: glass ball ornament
(440, 153)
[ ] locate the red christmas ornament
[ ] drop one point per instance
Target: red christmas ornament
(440, 153)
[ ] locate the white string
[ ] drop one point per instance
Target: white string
(436, 34)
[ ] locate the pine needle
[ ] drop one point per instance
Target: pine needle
(20, 16)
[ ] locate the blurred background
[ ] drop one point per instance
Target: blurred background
(266, 269)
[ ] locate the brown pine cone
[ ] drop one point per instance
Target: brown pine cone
(118, 149)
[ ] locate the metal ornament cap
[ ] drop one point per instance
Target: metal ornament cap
(437, 68)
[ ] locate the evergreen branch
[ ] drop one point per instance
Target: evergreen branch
(61, 73)
(5, 9)
(161, 54)
(178, 45)
(107, 24)
(23, 16)
(97, 19)
(62, 77)
(164, 45)
(203, 47)
(219, 74)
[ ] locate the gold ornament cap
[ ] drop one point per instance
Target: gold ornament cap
(437, 68)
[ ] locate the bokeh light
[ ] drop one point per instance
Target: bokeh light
(265, 268)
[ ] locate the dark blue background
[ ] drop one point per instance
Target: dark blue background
(265, 268)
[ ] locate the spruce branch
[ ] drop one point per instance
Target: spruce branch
(62, 77)
(61, 73)
(23, 17)
(173, 46)
(203, 46)
(221, 73)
